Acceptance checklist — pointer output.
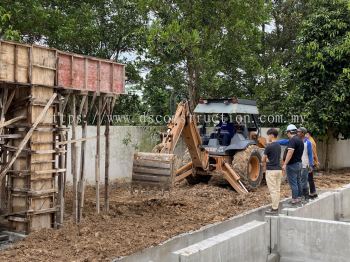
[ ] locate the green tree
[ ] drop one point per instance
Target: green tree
(322, 71)
(279, 50)
(212, 43)
(105, 28)
(6, 30)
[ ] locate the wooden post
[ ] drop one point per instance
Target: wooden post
(97, 163)
(61, 162)
(82, 160)
(74, 159)
(106, 204)
(3, 155)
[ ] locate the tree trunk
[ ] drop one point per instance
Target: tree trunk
(326, 164)
(193, 85)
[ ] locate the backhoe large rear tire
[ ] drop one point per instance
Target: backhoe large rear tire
(247, 163)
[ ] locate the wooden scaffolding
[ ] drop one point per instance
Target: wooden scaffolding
(36, 84)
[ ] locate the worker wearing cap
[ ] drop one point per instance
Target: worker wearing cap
(307, 162)
(293, 164)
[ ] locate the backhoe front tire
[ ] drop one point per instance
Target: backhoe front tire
(247, 164)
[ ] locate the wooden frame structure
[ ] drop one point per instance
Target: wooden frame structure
(39, 86)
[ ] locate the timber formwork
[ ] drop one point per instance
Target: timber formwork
(35, 85)
(31, 182)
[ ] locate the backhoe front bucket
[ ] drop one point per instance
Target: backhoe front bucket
(153, 169)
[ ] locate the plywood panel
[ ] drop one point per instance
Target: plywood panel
(91, 74)
(22, 64)
(119, 79)
(78, 73)
(7, 52)
(18, 204)
(44, 66)
(41, 221)
(38, 190)
(92, 82)
(64, 70)
(106, 77)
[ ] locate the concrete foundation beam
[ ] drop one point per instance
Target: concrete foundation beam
(344, 202)
(321, 208)
(313, 240)
(244, 243)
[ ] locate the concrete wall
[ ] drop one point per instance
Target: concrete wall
(125, 140)
(312, 240)
(245, 243)
(322, 208)
(338, 153)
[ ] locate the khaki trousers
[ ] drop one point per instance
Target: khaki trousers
(273, 180)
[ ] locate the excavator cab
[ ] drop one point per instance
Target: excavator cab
(245, 147)
(241, 124)
(235, 155)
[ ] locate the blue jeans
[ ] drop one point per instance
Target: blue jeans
(304, 182)
(294, 179)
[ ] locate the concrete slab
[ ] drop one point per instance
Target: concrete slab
(245, 243)
(321, 208)
(273, 257)
(313, 240)
(345, 201)
(273, 231)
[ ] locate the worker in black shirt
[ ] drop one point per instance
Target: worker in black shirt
(273, 173)
(293, 164)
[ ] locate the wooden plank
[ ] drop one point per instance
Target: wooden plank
(73, 141)
(61, 164)
(155, 171)
(30, 71)
(59, 170)
(82, 160)
(43, 66)
(11, 136)
(146, 178)
(74, 160)
(27, 137)
(150, 163)
(11, 121)
(14, 148)
(15, 61)
(107, 154)
(97, 157)
(9, 100)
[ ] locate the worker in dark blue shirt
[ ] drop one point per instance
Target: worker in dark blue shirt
(227, 129)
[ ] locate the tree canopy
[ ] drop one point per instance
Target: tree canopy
(292, 56)
(322, 68)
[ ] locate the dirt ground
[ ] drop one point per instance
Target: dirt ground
(137, 221)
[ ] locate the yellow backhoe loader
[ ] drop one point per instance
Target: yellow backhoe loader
(235, 155)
